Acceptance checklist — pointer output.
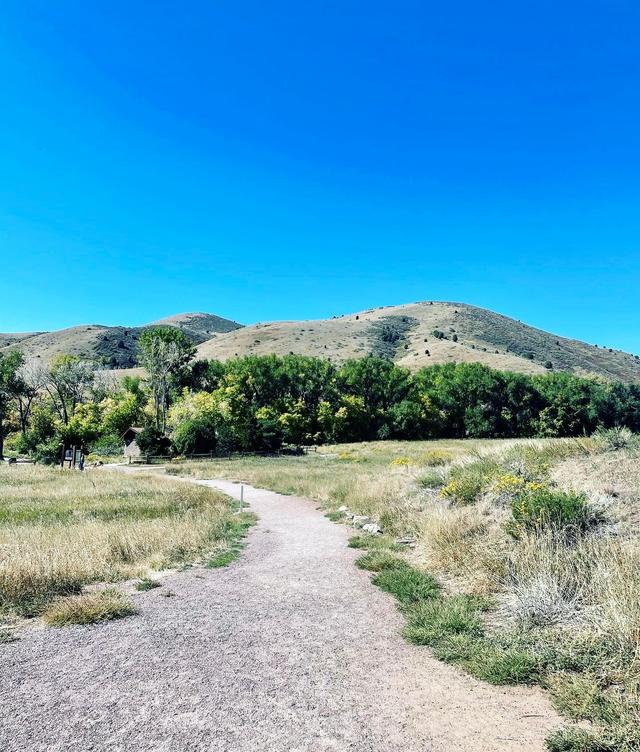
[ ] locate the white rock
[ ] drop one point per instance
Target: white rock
(372, 527)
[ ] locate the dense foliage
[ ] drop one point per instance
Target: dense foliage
(260, 403)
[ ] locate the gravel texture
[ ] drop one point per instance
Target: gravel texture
(288, 649)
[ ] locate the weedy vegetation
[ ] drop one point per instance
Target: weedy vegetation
(537, 542)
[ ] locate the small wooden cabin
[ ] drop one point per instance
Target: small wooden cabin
(130, 436)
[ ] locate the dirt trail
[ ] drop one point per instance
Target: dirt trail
(289, 649)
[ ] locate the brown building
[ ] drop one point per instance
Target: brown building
(131, 448)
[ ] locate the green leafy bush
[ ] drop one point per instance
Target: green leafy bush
(467, 482)
(48, 452)
(108, 445)
(463, 490)
(196, 436)
(154, 442)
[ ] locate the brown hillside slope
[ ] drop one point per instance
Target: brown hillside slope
(116, 346)
(12, 339)
(405, 333)
(200, 324)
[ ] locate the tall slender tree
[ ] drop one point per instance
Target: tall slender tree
(11, 385)
(164, 352)
(68, 382)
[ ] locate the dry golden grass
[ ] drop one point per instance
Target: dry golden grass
(89, 608)
(60, 530)
(373, 478)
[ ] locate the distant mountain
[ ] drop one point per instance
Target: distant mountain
(413, 335)
(113, 346)
(421, 334)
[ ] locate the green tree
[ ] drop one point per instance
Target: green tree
(68, 382)
(195, 436)
(380, 383)
(11, 386)
(164, 352)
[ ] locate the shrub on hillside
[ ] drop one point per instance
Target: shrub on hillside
(613, 439)
(546, 508)
(467, 482)
(464, 490)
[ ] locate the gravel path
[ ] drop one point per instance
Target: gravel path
(289, 649)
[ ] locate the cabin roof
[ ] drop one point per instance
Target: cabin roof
(135, 429)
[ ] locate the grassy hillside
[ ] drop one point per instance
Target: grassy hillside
(413, 335)
(421, 334)
(13, 338)
(116, 346)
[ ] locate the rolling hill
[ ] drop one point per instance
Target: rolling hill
(413, 335)
(114, 346)
(421, 334)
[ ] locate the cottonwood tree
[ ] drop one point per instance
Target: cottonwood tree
(33, 376)
(68, 382)
(163, 352)
(11, 386)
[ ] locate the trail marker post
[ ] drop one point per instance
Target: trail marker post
(241, 498)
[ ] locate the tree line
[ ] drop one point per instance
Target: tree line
(259, 403)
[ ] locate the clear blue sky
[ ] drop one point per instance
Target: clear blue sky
(265, 160)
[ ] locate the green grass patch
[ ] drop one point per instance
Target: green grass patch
(6, 636)
(432, 479)
(408, 585)
(374, 542)
(146, 583)
(432, 620)
(377, 561)
(224, 558)
(579, 740)
(235, 532)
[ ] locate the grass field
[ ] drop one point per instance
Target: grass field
(63, 530)
(527, 560)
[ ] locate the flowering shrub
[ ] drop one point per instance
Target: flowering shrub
(463, 490)
(436, 458)
(514, 485)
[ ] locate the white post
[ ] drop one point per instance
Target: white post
(241, 497)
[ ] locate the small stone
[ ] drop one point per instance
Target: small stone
(372, 527)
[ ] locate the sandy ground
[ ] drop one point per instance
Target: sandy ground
(290, 648)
